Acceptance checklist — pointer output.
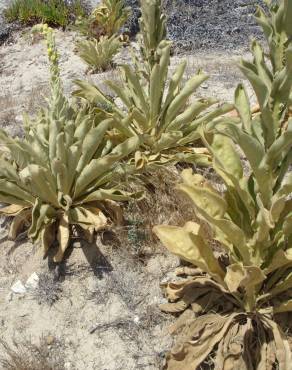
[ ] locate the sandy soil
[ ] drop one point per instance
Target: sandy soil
(103, 312)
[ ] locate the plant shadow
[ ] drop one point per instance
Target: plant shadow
(96, 262)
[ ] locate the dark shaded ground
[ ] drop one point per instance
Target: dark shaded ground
(207, 24)
(5, 30)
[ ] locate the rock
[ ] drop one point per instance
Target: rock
(19, 118)
(18, 288)
(32, 282)
(136, 320)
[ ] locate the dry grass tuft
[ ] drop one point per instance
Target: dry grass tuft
(7, 111)
(48, 290)
(162, 204)
(28, 356)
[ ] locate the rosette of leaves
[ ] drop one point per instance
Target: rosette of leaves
(98, 54)
(238, 294)
(63, 172)
(153, 105)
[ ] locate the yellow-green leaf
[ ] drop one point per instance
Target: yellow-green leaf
(187, 243)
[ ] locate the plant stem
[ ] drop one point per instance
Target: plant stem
(250, 301)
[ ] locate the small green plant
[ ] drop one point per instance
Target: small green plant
(52, 12)
(251, 218)
(98, 54)
(156, 107)
(105, 20)
(136, 234)
(65, 171)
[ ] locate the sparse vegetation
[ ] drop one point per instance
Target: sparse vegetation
(53, 12)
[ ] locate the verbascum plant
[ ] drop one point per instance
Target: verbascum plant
(153, 105)
(99, 54)
(63, 172)
(107, 19)
(229, 300)
(110, 16)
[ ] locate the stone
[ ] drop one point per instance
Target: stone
(32, 282)
(18, 288)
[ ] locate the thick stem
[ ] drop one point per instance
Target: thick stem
(250, 299)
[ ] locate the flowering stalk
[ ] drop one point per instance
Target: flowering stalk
(53, 55)
(57, 94)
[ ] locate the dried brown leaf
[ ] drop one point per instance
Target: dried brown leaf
(19, 222)
(203, 334)
(63, 237)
